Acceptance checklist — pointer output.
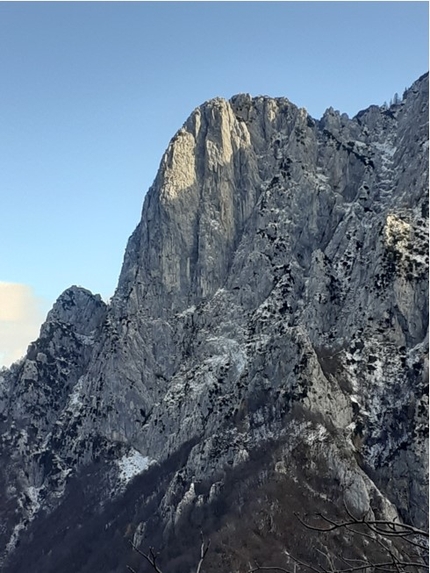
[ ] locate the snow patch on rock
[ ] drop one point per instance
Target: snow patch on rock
(132, 464)
(75, 400)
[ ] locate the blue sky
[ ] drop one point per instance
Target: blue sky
(91, 94)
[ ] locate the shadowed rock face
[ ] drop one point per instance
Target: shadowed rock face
(264, 352)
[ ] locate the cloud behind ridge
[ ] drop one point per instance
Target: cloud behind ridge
(21, 315)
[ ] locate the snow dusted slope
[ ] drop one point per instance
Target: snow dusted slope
(265, 350)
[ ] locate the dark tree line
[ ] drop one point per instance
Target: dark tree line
(392, 547)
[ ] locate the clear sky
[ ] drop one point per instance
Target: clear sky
(92, 92)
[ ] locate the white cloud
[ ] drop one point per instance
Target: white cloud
(21, 315)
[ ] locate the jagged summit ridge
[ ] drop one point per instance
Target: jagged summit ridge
(213, 135)
(273, 298)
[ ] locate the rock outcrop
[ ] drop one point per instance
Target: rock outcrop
(264, 352)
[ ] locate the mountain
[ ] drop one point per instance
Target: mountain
(265, 353)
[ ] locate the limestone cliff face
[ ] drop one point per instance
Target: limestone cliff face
(273, 298)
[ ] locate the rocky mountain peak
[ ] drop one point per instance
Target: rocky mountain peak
(264, 352)
(78, 308)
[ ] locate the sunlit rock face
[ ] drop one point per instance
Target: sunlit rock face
(264, 352)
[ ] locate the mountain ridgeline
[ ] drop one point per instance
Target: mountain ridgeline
(264, 354)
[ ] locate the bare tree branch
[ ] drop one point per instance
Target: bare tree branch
(395, 558)
(307, 565)
(204, 548)
(379, 526)
(270, 569)
(151, 558)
